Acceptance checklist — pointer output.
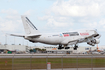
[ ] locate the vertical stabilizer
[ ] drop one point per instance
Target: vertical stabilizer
(28, 26)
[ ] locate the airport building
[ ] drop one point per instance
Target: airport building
(70, 50)
(13, 48)
(50, 49)
(81, 49)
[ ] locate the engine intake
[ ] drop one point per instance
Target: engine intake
(95, 41)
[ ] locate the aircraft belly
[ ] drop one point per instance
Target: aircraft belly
(53, 41)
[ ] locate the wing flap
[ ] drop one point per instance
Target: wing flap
(72, 42)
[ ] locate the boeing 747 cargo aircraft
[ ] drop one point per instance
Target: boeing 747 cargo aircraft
(63, 39)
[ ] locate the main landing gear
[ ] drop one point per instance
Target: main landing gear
(67, 47)
(75, 47)
(60, 46)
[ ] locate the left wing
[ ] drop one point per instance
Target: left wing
(73, 41)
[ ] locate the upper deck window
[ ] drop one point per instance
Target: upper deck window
(71, 34)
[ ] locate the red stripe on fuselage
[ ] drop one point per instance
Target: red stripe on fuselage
(82, 34)
(65, 35)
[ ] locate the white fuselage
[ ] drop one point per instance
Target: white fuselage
(62, 38)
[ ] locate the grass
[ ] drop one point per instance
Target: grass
(41, 63)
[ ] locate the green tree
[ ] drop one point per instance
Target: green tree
(31, 50)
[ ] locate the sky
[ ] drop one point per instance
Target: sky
(51, 16)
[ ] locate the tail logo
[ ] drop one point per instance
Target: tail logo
(30, 23)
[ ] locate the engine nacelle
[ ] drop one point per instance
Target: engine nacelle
(95, 41)
(90, 43)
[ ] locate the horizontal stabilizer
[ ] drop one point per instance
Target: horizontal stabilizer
(18, 35)
(31, 35)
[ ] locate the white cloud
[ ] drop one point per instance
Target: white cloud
(57, 21)
(28, 12)
(52, 22)
(59, 18)
(102, 22)
(91, 25)
(44, 17)
(62, 12)
(11, 22)
(77, 8)
(87, 13)
(16, 17)
(100, 25)
(76, 14)
(9, 11)
(8, 26)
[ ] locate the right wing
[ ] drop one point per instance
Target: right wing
(33, 35)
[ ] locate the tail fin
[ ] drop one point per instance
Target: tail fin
(28, 26)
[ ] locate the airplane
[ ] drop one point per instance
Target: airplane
(63, 39)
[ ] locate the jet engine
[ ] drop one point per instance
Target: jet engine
(93, 42)
(96, 41)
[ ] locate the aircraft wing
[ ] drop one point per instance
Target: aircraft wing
(75, 41)
(79, 40)
(33, 35)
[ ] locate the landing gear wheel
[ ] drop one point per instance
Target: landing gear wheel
(93, 44)
(67, 47)
(60, 46)
(75, 47)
